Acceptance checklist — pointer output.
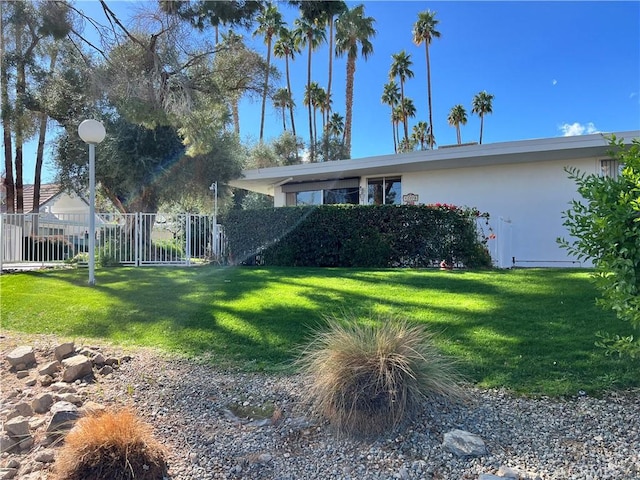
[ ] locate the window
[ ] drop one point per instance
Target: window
(610, 168)
(313, 197)
(384, 191)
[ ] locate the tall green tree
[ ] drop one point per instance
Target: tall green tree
(424, 31)
(6, 114)
(391, 96)
(354, 31)
(401, 68)
(308, 33)
(287, 48)
(457, 116)
(269, 24)
(420, 134)
(482, 104)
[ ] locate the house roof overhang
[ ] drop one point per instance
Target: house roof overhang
(265, 180)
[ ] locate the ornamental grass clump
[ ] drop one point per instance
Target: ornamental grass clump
(113, 445)
(368, 378)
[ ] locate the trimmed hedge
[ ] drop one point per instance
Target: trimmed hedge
(356, 236)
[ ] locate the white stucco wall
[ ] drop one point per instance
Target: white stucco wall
(525, 202)
(66, 203)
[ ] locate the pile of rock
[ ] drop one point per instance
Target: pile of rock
(46, 391)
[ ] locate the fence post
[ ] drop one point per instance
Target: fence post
(2, 218)
(137, 237)
(187, 237)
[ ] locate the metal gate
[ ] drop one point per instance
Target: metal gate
(121, 239)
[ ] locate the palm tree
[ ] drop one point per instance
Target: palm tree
(457, 117)
(335, 125)
(400, 67)
(424, 30)
(286, 47)
(408, 111)
(353, 29)
(282, 99)
(397, 117)
(391, 97)
(330, 10)
(308, 33)
(482, 104)
(419, 134)
(313, 98)
(269, 24)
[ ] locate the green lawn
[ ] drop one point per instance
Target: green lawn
(531, 330)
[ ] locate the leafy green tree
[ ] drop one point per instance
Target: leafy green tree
(605, 227)
(269, 24)
(353, 30)
(420, 134)
(391, 97)
(482, 104)
(286, 148)
(424, 31)
(457, 117)
(401, 68)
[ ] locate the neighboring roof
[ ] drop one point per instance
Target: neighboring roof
(523, 151)
(48, 191)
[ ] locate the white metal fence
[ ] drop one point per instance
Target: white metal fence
(121, 239)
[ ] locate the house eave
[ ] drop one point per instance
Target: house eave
(523, 151)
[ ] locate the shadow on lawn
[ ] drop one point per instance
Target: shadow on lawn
(504, 327)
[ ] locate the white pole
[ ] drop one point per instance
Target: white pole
(215, 219)
(92, 213)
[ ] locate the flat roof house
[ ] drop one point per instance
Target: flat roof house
(521, 184)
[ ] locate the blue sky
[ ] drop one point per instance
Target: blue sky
(555, 68)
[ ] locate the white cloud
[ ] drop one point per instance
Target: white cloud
(554, 82)
(573, 129)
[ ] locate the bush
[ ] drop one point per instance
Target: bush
(114, 445)
(358, 235)
(47, 248)
(366, 378)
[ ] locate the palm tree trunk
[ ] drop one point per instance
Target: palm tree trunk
(293, 125)
(458, 133)
(236, 115)
(481, 126)
(393, 128)
(426, 43)
(284, 123)
(330, 64)
(266, 88)
(6, 123)
(404, 112)
(351, 71)
(311, 146)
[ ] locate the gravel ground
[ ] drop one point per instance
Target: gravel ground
(213, 425)
(199, 413)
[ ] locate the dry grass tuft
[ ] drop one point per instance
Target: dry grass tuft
(113, 445)
(367, 378)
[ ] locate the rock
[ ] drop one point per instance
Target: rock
(26, 443)
(70, 397)
(488, 476)
(91, 407)
(111, 361)
(7, 443)
(22, 374)
(49, 368)
(46, 380)
(30, 382)
(17, 427)
(64, 417)
(98, 360)
(45, 456)
(464, 444)
(7, 473)
(21, 355)
(508, 472)
(64, 350)
(22, 409)
(75, 368)
(42, 403)
(13, 463)
(61, 387)
(106, 370)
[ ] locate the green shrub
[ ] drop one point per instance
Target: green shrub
(357, 235)
(367, 378)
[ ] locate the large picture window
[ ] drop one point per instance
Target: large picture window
(327, 192)
(384, 191)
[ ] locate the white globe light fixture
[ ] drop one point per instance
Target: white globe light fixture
(92, 132)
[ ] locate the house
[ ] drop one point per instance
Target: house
(522, 185)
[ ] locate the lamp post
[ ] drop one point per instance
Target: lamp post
(214, 189)
(92, 132)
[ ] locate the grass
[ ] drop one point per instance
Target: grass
(531, 331)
